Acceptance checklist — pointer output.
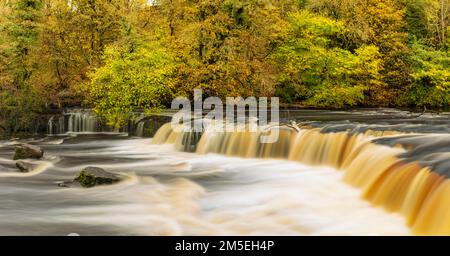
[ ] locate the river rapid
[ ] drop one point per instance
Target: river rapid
(169, 192)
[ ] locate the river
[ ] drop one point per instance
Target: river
(214, 191)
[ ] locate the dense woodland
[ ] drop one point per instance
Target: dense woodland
(116, 56)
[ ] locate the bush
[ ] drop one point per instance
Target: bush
(430, 78)
(134, 79)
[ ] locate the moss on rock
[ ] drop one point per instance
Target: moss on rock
(26, 151)
(93, 176)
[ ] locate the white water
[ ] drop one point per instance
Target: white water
(140, 129)
(73, 121)
(176, 193)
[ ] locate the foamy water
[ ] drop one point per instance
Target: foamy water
(175, 193)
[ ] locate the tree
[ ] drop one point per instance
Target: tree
(223, 45)
(431, 78)
(75, 36)
(19, 99)
(428, 21)
(326, 53)
(317, 70)
(374, 22)
(137, 78)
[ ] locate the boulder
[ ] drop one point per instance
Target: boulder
(24, 166)
(93, 176)
(25, 151)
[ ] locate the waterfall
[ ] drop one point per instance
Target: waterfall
(399, 184)
(70, 126)
(140, 129)
(50, 125)
(76, 120)
(162, 134)
(183, 139)
(82, 121)
(85, 121)
(139, 124)
(61, 125)
(55, 125)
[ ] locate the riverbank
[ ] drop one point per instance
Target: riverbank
(77, 119)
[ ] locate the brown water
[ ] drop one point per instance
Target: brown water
(331, 173)
(401, 172)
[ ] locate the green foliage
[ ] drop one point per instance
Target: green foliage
(48, 47)
(131, 80)
(338, 97)
(19, 110)
(416, 17)
(319, 72)
(431, 78)
(223, 45)
(428, 21)
(373, 22)
(120, 56)
(20, 101)
(73, 41)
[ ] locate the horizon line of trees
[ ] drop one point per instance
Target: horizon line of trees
(116, 56)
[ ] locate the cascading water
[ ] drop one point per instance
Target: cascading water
(387, 175)
(82, 121)
(231, 183)
(85, 121)
(140, 123)
(74, 121)
(50, 125)
(56, 125)
(140, 129)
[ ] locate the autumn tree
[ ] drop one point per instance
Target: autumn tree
(74, 38)
(428, 21)
(19, 99)
(374, 22)
(118, 56)
(314, 68)
(223, 45)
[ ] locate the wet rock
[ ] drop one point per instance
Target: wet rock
(25, 151)
(24, 166)
(93, 176)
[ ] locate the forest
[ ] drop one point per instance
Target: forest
(119, 56)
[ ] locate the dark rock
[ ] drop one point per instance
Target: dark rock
(25, 151)
(24, 166)
(93, 176)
